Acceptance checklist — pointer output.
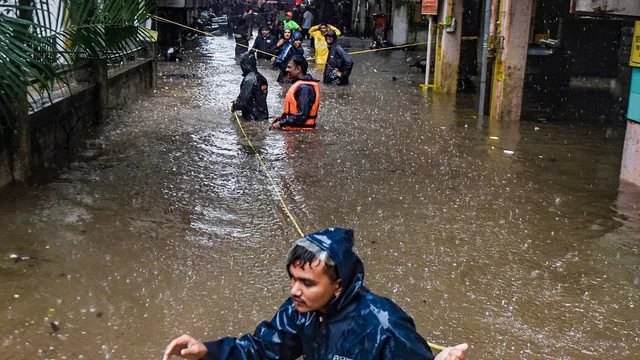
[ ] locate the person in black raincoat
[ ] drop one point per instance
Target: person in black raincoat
(252, 100)
(266, 43)
(330, 315)
(339, 64)
(241, 34)
(289, 50)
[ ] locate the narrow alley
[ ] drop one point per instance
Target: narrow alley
(513, 237)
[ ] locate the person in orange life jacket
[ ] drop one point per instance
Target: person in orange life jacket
(266, 43)
(339, 64)
(302, 100)
(294, 48)
(252, 100)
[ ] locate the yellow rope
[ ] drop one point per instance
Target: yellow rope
(264, 165)
(273, 183)
(272, 55)
(387, 48)
(204, 33)
(284, 205)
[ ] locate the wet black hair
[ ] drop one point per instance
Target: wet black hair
(302, 62)
(301, 255)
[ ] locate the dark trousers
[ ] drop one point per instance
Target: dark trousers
(305, 34)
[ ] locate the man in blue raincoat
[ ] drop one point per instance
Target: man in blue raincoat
(330, 315)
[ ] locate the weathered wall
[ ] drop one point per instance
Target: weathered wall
(512, 59)
(446, 75)
(52, 132)
(125, 86)
(630, 163)
(400, 25)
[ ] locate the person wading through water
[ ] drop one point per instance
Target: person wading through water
(329, 315)
(318, 32)
(339, 64)
(302, 101)
(294, 48)
(265, 42)
(252, 100)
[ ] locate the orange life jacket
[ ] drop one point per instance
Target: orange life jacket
(291, 105)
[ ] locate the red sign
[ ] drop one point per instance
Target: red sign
(429, 7)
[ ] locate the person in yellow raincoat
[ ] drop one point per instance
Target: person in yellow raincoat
(322, 50)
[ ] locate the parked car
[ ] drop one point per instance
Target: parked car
(222, 22)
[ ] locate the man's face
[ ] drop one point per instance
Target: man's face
(293, 70)
(265, 32)
(329, 40)
(323, 29)
(288, 17)
(311, 287)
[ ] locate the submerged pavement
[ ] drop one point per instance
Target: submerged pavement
(514, 238)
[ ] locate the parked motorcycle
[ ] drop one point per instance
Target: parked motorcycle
(173, 54)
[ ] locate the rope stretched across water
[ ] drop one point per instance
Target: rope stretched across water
(261, 160)
(273, 55)
(273, 183)
(283, 203)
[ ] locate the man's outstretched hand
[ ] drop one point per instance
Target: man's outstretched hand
(453, 353)
(275, 124)
(186, 347)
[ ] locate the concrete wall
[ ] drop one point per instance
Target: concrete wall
(52, 133)
(400, 23)
(446, 74)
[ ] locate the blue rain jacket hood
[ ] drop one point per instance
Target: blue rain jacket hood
(356, 325)
(339, 244)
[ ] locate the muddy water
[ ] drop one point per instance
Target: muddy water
(516, 238)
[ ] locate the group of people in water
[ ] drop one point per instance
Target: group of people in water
(283, 45)
(330, 314)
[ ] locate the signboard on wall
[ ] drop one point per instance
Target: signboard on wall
(606, 7)
(634, 59)
(429, 7)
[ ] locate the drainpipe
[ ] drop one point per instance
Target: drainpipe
(485, 56)
(491, 44)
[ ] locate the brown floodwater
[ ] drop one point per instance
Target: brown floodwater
(514, 237)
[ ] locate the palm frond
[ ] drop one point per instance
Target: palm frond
(38, 36)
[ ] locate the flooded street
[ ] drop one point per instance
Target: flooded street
(515, 238)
